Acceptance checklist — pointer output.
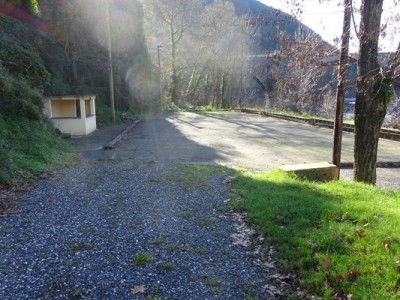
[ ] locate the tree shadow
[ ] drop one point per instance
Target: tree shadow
(159, 140)
(317, 229)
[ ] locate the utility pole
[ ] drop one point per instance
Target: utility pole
(343, 65)
(110, 64)
(159, 73)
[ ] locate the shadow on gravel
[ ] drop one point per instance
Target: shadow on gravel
(91, 146)
(159, 140)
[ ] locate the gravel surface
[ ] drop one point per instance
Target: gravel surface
(81, 231)
(132, 224)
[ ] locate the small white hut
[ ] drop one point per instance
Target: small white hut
(75, 115)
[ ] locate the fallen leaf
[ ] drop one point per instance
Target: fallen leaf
(138, 289)
(335, 279)
(386, 244)
(327, 264)
(353, 275)
(359, 232)
(228, 179)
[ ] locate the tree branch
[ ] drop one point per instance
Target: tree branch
(354, 21)
(394, 63)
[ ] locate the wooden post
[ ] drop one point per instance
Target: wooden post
(160, 75)
(110, 64)
(343, 65)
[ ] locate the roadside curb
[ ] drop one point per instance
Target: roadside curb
(379, 164)
(111, 145)
(390, 134)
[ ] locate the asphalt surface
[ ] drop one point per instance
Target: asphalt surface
(239, 140)
(91, 146)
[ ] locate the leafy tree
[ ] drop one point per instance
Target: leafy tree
(31, 6)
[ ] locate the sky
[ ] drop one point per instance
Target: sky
(326, 19)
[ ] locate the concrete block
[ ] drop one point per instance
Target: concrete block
(322, 171)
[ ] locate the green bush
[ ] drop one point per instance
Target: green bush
(18, 98)
(24, 60)
(28, 147)
(5, 162)
(104, 115)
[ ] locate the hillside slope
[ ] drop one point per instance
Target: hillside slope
(66, 58)
(28, 143)
(269, 23)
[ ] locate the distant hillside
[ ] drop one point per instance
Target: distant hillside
(270, 30)
(268, 23)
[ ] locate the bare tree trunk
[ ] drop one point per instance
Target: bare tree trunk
(344, 53)
(174, 76)
(371, 103)
(223, 90)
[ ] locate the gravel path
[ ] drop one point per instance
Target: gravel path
(85, 233)
(131, 223)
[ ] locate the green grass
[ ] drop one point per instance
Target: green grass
(28, 147)
(72, 249)
(177, 248)
(205, 109)
(142, 259)
(160, 241)
(213, 282)
(167, 266)
(339, 237)
(189, 176)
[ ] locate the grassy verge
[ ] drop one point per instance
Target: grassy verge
(28, 147)
(341, 238)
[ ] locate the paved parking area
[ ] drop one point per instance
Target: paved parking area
(244, 141)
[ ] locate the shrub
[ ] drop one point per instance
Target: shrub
(18, 98)
(28, 147)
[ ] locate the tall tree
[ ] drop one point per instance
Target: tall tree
(374, 85)
(222, 49)
(374, 92)
(80, 28)
(340, 90)
(201, 51)
(173, 19)
(300, 70)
